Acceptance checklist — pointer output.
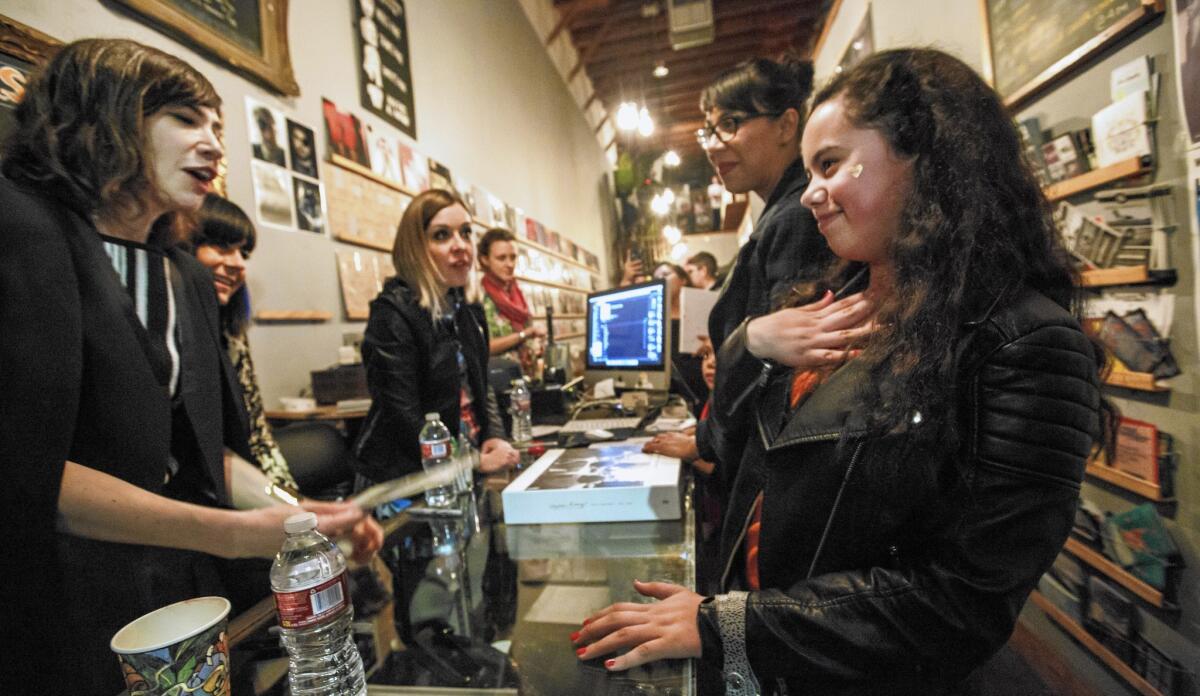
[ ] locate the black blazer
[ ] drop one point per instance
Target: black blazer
(76, 383)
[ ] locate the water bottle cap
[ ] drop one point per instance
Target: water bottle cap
(300, 522)
(432, 416)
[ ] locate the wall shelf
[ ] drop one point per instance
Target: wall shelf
(1137, 381)
(1093, 645)
(1125, 169)
(296, 315)
(552, 284)
(567, 337)
(1129, 581)
(362, 242)
(560, 316)
(366, 172)
(550, 252)
(1127, 275)
(1131, 483)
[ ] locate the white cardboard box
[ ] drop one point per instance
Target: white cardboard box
(603, 483)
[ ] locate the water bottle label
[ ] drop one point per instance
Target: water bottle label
(435, 450)
(306, 607)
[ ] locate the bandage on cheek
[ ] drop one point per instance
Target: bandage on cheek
(856, 170)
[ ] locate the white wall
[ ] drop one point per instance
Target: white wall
(489, 105)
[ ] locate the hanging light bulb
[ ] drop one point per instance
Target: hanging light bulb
(660, 205)
(612, 156)
(661, 70)
(679, 251)
(672, 234)
(627, 116)
(645, 125)
(668, 196)
(671, 159)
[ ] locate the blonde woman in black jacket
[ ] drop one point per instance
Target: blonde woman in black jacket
(426, 347)
(888, 517)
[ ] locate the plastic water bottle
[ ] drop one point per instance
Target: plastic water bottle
(436, 452)
(312, 599)
(522, 412)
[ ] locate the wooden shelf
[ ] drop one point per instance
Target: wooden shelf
(1129, 581)
(1125, 169)
(552, 284)
(1093, 645)
(567, 337)
(366, 172)
(1137, 381)
(362, 242)
(1133, 484)
(561, 316)
(1127, 275)
(551, 252)
(298, 315)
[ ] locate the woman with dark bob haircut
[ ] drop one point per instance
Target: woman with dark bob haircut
(890, 515)
(116, 404)
(222, 243)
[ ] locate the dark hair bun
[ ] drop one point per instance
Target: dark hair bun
(801, 70)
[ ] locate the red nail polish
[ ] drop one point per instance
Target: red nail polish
(581, 651)
(575, 636)
(609, 664)
(586, 621)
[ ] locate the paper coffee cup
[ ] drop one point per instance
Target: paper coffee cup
(179, 649)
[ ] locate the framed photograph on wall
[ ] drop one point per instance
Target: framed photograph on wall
(1028, 46)
(22, 49)
(248, 36)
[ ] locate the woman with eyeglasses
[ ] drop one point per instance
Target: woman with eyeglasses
(426, 347)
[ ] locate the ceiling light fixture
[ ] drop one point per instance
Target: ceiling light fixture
(661, 70)
(627, 116)
(671, 159)
(645, 124)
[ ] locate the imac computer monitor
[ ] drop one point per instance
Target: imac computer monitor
(629, 336)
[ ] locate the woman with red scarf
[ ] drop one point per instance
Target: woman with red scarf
(503, 303)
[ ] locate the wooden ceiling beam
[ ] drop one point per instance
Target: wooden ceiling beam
(612, 59)
(568, 11)
(638, 28)
(586, 53)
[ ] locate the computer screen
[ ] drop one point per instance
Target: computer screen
(628, 335)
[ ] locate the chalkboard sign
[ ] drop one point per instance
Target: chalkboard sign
(1031, 43)
(22, 48)
(385, 75)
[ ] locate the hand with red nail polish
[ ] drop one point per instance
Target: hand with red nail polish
(648, 632)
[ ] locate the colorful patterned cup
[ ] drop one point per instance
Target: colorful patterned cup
(179, 649)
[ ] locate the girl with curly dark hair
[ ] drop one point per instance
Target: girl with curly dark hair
(889, 516)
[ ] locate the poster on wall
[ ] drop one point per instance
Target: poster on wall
(385, 76)
(14, 73)
(302, 149)
(343, 134)
(272, 194)
(266, 128)
(1187, 52)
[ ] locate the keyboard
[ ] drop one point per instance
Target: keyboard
(583, 425)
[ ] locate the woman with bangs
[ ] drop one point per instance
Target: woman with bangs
(120, 430)
(426, 347)
(893, 510)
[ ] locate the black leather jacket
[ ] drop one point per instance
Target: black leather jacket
(890, 566)
(412, 369)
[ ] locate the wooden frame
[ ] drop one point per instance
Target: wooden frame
(1145, 11)
(272, 67)
(25, 43)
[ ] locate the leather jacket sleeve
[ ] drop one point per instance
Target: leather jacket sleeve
(394, 380)
(720, 437)
(1029, 411)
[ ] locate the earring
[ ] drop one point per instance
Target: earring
(856, 170)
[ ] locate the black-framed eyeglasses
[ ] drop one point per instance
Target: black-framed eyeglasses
(727, 126)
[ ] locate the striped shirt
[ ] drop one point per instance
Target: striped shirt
(146, 274)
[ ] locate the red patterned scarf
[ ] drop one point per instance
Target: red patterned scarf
(510, 302)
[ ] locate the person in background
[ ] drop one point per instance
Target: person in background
(702, 271)
(633, 268)
(119, 419)
(716, 195)
(426, 347)
(685, 367)
(508, 318)
(883, 533)
(222, 242)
